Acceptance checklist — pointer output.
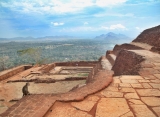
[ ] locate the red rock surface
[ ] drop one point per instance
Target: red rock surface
(150, 36)
(155, 49)
(118, 48)
(38, 105)
(127, 63)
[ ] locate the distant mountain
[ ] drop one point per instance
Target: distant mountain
(56, 37)
(114, 38)
(50, 38)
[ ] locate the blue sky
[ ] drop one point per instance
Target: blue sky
(81, 18)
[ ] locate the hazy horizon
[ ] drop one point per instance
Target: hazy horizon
(66, 36)
(78, 18)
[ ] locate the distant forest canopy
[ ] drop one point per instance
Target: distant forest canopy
(33, 52)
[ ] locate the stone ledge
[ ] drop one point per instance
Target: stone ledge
(40, 104)
(101, 80)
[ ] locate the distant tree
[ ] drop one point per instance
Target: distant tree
(3, 62)
(34, 54)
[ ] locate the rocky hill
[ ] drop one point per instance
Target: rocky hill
(150, 36)
(114, 38)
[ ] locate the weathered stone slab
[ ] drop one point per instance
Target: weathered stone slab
(155, 81)
(151, 101)
(157, 68)
(38, 104)
(157, 110)
(112, 94)
(144, 73)
(136, 85)
(112, 107)
(154, 85)
(3, 109)
(150, 77)
(144, 80)
(116, 77)
(87, 104)
(157, 60)
(146, 85)
(111, 88)
(129, 114)
(129, 81)
(157, 75)
(60, 109)
(116, 80)
(131, 77)
(125, 85)
(151, 70)
(131, 96)
(148, 92)
(127, 90)
(135, 101)
(142, 111)
(157, 64)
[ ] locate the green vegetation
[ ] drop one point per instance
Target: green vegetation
(3, 61)
(82, 74)
(18, 53)
(33, 54)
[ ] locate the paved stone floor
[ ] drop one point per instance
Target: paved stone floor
(126, 96)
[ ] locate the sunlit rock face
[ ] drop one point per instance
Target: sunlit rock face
(127, 63)
(150, 36)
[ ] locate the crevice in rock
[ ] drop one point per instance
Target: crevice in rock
(94, 108)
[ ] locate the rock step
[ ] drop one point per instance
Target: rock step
(111, 58)
(142, 45)
(30, 106)
(106, 64)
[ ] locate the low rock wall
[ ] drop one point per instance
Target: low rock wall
(47, 68)
(93, 72)
(118, 48)
(95, 64)
(11, 72)
(77, 63)
(127, 63)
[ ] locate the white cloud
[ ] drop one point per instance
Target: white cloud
(103, 3)
(49, 6)
(57, 24)
(114, 14)
(85, 23)
(80, 29)
(114, 27)
(117, 26)
(138, 28)
(89, 28)
(57, 6)
(104, 27)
